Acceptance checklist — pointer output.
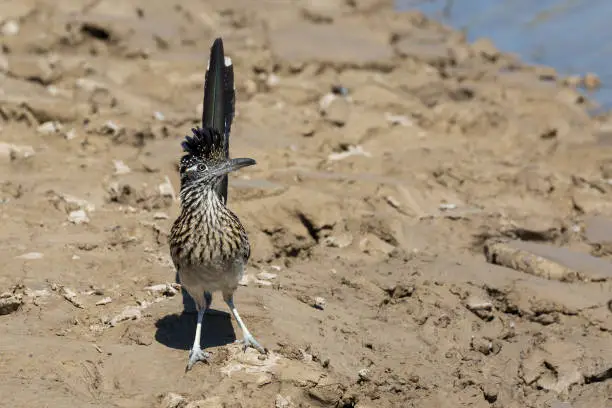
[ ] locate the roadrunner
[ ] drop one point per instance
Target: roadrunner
(208, 244)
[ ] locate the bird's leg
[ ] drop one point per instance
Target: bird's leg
(189, 305)
(248, 339)
(196, 353)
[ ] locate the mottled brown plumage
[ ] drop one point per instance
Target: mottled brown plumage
(208, 244)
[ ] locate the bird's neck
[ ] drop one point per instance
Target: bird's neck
(200, 198)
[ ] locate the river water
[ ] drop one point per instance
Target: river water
(573, 36)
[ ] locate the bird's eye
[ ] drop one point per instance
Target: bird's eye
(202, 167)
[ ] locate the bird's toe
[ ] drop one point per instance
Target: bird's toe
(196, 355)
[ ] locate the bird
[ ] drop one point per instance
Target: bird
(209, 246)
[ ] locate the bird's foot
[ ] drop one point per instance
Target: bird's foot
(195, 355)
(249, 341)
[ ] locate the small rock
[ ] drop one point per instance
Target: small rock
(319, 303)
(282, 402)
(329, 394)
(37, 293)
(480, 307)
(262, 282)
(75, 203)
(71, 134)
(11, 151)
(30, 256)
(266, 275)
(272, 80)
(129, 313)
(159, 116)
(338, 241)
(9, 303)
(401, 120)
(89, 85)
(10, 28)
(335, 109)
(263, 379)
(447, 206)
(400, 291)
(371, 244)
(49, 128)
(78, 217)
(163, 289)
(172, 400)
(364, 374)
(489, 392)
(104, 301)
(485, 346)
(121, 167)
(160, 216)
(350, 151)
(111, 127)
(71, 296)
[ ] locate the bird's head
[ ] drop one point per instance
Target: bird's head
(206, 162)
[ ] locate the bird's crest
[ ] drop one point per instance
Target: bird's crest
(211, 141)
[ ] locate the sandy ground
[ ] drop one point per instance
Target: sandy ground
(447, 209)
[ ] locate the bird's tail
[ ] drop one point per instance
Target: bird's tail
(219, 99)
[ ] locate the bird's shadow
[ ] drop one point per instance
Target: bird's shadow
(178, 330)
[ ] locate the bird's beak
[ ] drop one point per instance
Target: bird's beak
(233, 165)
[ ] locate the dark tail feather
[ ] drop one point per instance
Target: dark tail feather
(219, 99)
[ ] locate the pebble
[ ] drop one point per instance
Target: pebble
(338, 241)
(263, 379)
(261, 282)
(319, 303)
(71, 134)
(272, 80)
(30, 256)
(111, 127)
(282, 402)
(70, 296)
(159, 116)
(49, 128)
(160, 216)
(266, 275)
(104, 301)
(401, 120)
(351, 151)
(129, 313)
(480, 307)
(172, 400)
(335, 109)
(78, 217)
(37, 293)
(10, 28)
(364, 374)
(121, 167)
(371, 244)
(9, 303)
(11, 151)
(164, 289)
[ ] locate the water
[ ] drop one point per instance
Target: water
(573, 36)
